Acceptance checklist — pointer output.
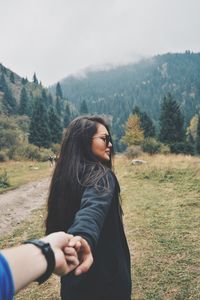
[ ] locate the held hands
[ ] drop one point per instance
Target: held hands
(84, 253)
(71, 252)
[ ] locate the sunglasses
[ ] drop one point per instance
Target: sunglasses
(106, 139)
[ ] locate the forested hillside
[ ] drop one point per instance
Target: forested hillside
(144, 84)
(163, 92)
(30, 117)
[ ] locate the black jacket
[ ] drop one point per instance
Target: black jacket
(99, 222)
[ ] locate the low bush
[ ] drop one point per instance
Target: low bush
(28, 152)
(3, 156)
(182, 147)
(164, 149)
(4, 182)
(151, 146)
(133, 151)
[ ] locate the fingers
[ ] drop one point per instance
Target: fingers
(76, 242)
(85, 246)
(83, 251)
(70, 251)
(72, 260)
(85, 265)
(57, 239)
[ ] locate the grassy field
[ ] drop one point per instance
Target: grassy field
(21, 172)
(161, 203)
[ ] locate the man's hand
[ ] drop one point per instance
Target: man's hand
(65, 263)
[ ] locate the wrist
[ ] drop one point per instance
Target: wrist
(49, 256)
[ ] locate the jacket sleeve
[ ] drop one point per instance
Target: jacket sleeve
(95, 204)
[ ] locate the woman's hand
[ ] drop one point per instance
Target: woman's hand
(84, 253)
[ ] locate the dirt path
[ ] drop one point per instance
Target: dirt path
(16, 205)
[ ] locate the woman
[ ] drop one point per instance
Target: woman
(84, 200)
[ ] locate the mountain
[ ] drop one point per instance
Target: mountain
(116, 91)
(11, 86)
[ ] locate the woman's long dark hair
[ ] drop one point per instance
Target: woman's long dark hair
(76, 168)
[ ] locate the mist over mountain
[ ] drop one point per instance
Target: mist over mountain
(113, 92)
(116, 91)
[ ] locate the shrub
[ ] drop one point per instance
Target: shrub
(4, 182)
(133, 151)
(151, 146)
(182, 147)
(29, 152)
(44, 154)
(55, 148)
(9, 137)
(3, 156)
(164, 149)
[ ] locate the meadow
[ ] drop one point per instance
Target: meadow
(22, 172)
(161, 204)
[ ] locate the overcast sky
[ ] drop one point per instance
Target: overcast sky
(55, 38)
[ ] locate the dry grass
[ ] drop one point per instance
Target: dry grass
(161, 203)
(21, 172)
(162, 217)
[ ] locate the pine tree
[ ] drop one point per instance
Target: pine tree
(145, 122)
(35, 80)
(67, 116)
(171, 121)
(23, 81)
(59, 92)
(24, 107)
(54, 126)
(59, 100)
(83, 108)
(198, 136)
(50, 99)
(39, 133)
(45, 98)
(12, 77)
(2, 83)
(58, 106)
(134, 134)
(9, 102)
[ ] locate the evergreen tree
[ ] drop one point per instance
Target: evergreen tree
(23, 81)
(24, 108)
(45, 98)
(2, 83)
(145, 122)
(60, 99)
(58, 106)
(198, 136)
(55, 126)
(67, 116)
(35, 80)
(12, 77)
(9, 102)
(50, 99)
(4, 70)
(39, 133)
(83, 108)
(59, 92)
(171, 121)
